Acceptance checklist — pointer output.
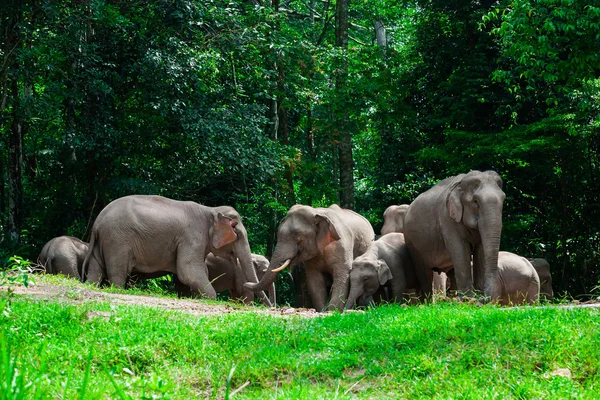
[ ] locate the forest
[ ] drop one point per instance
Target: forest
(263, 104)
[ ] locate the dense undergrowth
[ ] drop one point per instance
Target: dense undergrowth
(52, 349)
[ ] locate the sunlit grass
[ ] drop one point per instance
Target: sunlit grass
(445, 351)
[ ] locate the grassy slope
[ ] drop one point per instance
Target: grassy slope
(444, 351)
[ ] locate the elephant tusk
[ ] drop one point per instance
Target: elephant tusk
(285, 264)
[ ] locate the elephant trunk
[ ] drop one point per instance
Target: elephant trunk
(491, 230)
(242, 252)
(280, 260)
(244, 255)
(352, 297)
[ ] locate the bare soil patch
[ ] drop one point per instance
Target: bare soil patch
(41, 290)
(77, 295)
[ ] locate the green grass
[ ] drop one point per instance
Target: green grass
(450, 351)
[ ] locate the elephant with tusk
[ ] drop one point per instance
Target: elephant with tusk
(326, 240)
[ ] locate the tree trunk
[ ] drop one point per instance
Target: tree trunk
(380, 34)
(345, 147)
(271, 130)
(15, 168)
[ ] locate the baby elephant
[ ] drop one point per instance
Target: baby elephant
(63, 255)
(520, 281)
(543, 270)
(386, 263)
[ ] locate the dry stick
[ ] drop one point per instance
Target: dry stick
(239, 389)
(352, 387)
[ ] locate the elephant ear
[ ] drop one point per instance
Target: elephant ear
(384, 273)
(454, 204)
(326, 232)
(223, 231)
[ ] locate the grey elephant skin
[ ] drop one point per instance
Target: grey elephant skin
(386, 263)
(458, 218)
(393, 219)
(150, 234)
(326, 240)
(542, 267)
(226, 277)
(63, 255)
(519, 282)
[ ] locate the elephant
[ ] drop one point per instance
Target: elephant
(146, 235)
(326, 240)
(393, 219)
(542, 267)
(223, 276)
(459, 218)
(63, 255)
(386, 263)
(519, 282)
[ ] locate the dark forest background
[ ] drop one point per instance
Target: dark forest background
(264, 104)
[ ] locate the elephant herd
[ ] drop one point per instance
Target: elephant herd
(451, 231)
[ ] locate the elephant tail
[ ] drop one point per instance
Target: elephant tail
(88, 255)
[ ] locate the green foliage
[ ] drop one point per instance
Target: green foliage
(178, 99)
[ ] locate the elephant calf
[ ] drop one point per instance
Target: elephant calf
(543, 270)
(63, 255)
(519, 282)
(386, 263)
(224, 276)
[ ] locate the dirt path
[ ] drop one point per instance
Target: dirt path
(78, 295)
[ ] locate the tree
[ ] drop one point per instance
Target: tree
(341, 114)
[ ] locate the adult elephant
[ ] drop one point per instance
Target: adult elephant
(63, 255)
(326, 240)
(393, 221)
(542, 267)
(147, 235)
(459, 218)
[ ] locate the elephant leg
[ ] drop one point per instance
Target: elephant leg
(439, 284)
(478, 268)
(118, 266)
(272, 294)
(95, 272)
(339, 290)
(460, 253)
(193, 272)
(451, 279)
(317, 288)
(423, 275)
